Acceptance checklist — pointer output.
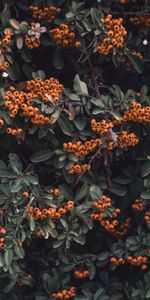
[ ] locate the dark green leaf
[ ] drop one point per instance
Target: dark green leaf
(81, 192)
(95, 192)
(58, 60)
(145, 170)
(41, 156)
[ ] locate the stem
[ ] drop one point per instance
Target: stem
(94, 79)
(24, 214)
(90, 161)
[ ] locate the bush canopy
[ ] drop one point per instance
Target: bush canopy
(74, 145)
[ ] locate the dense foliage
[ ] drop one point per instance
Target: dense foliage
(74, 145)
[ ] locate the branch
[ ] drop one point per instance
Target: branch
(94, 79)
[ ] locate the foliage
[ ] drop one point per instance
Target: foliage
(75, 161)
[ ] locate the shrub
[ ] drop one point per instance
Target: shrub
(75, 161)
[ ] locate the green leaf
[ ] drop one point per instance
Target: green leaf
(118, 190)
(79, 239)
(31, 222)
(41, 74)
(58, 60)
(6, 117)
(81, 298)
(65, 126)
(103, 256)
(116, 91)
(6, 173)
(64, 223)
(19, 42)
(98, 102)
(1, 260)
(15, 163)
(74, 97)
(19, 251)
(66, 191)
(5, 17)
(16, 185)
(115, 114)
(57, 244)
(32, 179)
(25, 54)
(92, 271)
(80, 86)
(28, 70)
(95, 192)
(8, 257)
(14, 71)
(98, 294)
(145, 195)
(51, 282)
(148, 294)
(95, 16)
(97, 111)
(87, 25)
(70, 15)
(136, 62)
(80, 123)
(41, 298)
(81, 192)
(122, 180)
(41, 156)
(145, 170)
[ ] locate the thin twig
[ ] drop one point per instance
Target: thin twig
(94, 78)
(24, 214)
(90, 161)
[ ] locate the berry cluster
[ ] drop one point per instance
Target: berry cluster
(79, 169)
(81, 274)
(48, 13)
(2, 239)
(32, 38)
(19, 101)
(64, 37)
(137, 54)
(126, 1)
(102, 127)
(138, 205)
(126, 63)
(32, 43)
(13, 131)
(140, 261)
(147, 217)
(22, 101)
(115, 35)
(81, 149)
(137, 113)
(64, 294)
(4, 48)
(39, 214)
(126, 140)
(45, 89)
(55, 192)
(144, 20)
(110, 226)
(117, 261)
(102, 204)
